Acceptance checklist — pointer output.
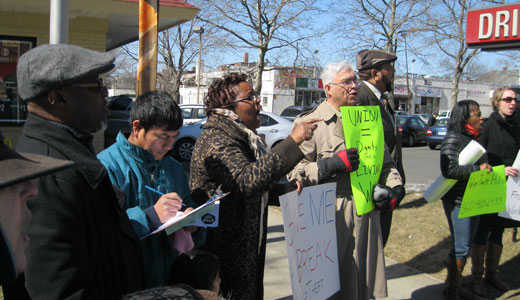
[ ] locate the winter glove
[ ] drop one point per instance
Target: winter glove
(386, 199)
(345, 161)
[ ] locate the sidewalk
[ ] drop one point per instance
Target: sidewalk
(403, 282)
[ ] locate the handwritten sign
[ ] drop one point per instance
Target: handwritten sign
(364, 131)
(310, 237)
(485, 193)
(512, 210)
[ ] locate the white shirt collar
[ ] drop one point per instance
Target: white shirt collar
(374, 90)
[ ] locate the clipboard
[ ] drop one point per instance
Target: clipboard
(205, 215)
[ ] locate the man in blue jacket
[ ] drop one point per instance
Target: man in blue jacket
(139, 159)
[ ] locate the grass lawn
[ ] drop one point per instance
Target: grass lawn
(420, 239)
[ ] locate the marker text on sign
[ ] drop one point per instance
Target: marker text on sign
(326, 209)
(487, 179)
(294, 225)
(360, 116)
(315, 256)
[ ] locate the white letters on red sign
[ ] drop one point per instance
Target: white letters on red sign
(500, 25)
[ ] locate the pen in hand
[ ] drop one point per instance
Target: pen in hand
(158, 192)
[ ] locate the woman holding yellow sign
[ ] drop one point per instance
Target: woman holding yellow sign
(501, 138)
(464, 126)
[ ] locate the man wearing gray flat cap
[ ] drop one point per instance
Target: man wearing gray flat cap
(82, 243)
(377, 73)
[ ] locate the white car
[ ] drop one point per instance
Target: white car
(192, 113)
(444, 114)
(274, 128)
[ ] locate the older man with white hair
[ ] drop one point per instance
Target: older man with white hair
(360, 247)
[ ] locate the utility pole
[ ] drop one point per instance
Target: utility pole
(407, 80)
(200, 31)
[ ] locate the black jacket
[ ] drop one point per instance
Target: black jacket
(501, 138)
(82, 243)
(451, 147)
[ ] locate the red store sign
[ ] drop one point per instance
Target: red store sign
(493, 28)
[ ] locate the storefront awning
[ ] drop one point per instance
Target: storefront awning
(121, 15)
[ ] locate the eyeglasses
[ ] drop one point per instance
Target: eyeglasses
(509, 99)
(348, 82)
(97, 86)
(251, 99)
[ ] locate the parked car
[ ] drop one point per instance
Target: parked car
(425, 117)
(400, 113)
(192, 113)
(436, 133)
(274, 128)
(412, 129)
(444, 114)
(120, 106)
(185, 141)
(291, 112)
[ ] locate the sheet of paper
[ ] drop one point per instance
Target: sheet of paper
(205, 215)
(310, 237)
(363, 129)
(512, 210)
(485, 193)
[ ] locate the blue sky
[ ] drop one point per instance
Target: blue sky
(330, 50)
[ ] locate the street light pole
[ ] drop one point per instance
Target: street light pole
(200, 31)
(407, 80)
(413, 81)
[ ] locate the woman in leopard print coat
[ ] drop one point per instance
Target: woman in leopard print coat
(229, 153)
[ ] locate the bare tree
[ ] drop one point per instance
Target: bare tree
(262, 24)
(447, 31)
(509, 59)
(178, 48)
(378, 24)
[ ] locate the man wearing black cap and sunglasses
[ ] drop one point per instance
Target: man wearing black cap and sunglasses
(82, 243)
(15, 189)
(377, 73)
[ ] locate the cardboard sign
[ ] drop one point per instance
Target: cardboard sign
(363, 129)
(513, 195)
(485, 193)
(310, 237)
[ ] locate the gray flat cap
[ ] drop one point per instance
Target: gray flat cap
(367, 59)
(49, 67)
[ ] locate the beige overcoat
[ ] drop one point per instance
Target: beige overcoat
(360, 246)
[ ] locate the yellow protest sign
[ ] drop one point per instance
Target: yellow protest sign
(485, 193)
(364, 131)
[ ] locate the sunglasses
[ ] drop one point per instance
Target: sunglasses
(251, 99)
(509, 99)
(96, 86)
